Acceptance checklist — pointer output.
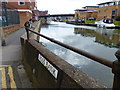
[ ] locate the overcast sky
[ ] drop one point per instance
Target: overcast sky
(65, 6)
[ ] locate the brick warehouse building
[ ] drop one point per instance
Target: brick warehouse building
(86, 12)
(27, 9)
(103, 10)
(109, 10)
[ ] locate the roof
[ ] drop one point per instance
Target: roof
(91, 11)
(80, 10)
(106, 2)
(43, 11)
(90, 7)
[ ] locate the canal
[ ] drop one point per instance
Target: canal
(100, 42)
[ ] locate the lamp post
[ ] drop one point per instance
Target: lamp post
(4, 13)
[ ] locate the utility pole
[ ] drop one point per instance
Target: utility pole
(4, 21)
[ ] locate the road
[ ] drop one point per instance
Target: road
(12, 72)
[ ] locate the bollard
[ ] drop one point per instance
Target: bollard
(27, 31)
(2, 36)
(3, 42)
(116, 71)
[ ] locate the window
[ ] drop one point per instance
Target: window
(102, 5)
(106, 4)
(21, 3)
(111, 4)
(108, 21)
(119, 3)
(116, 3)
(114, 13)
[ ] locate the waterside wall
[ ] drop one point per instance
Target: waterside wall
(47, 70)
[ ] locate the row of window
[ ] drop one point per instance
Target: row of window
(110, 4)
(21, 3)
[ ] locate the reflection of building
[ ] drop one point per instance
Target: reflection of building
(103, 10)
(109, 38)
(84, 32)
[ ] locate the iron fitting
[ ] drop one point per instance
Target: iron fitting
(117, 54)
(116, 67)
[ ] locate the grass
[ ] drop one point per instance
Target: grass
(89, 21)
(117, 22)
(92, 22)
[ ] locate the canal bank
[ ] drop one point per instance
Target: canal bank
(94, 25)
(12, 72)
(100, 42)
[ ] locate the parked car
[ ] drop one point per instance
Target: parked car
(70, 21)
(105, 23)
(80, 21)
(91, 18)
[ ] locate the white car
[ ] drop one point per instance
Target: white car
(105, 23)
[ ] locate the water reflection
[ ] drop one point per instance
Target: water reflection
(91, 40)
(107, 37)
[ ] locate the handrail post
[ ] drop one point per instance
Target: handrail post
(116, 71)
(27, 31)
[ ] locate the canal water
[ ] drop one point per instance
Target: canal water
(100, 42)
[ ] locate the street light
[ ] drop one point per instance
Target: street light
(1, 28)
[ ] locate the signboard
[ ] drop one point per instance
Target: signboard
(49, 66)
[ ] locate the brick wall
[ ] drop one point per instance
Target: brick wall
(94, 14)
(26, 5)
(118, 14)
(24, 16)
(106, 12)
(103, 12)
(10, 29)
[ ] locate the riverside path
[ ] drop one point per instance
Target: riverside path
(12, 73)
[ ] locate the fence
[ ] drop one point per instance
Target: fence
(8, 15)
(115, 65)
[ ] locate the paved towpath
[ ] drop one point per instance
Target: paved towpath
(12, 73)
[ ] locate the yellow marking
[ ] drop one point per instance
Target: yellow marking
(12, 82)
(3, 78)
(5, 65)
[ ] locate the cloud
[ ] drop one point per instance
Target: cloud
(65, 6)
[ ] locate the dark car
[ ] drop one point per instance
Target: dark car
(91, 18)
(70, 22)
(80, 21)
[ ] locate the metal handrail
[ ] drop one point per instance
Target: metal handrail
(86, 54)
(115, 65)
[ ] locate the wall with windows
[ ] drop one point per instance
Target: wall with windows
(108, 12)
(25, 8)
(22, 4)
(85, 14)
(118, 14)
(105, 10)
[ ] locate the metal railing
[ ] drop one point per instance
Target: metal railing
(115, 65)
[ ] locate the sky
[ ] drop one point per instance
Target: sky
(65, 6)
